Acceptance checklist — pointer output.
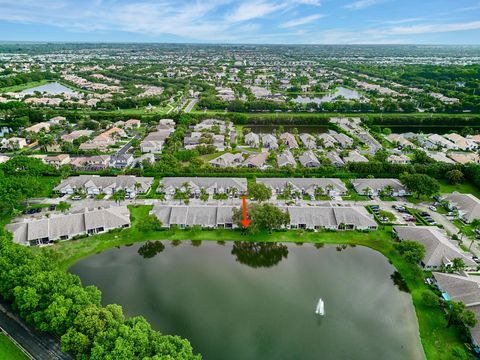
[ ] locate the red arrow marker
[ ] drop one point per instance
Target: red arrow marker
(245, 221)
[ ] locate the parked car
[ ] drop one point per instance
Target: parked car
(76, 197)
(433, 208)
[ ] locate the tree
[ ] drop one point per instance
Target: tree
(457, 264)
(421, 184)
(263, 217)
(259, 191)
(455, 176)
(430, 298)
(63, 206)
(149, 223)
(412, 251)
(458, 314)
(421, 157)
(118, 196)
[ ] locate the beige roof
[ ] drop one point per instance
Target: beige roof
(256, 160)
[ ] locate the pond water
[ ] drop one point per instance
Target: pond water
(247, 301)
(347, 94)
(53, 88)
(268, 129)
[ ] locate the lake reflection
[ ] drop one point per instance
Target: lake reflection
(243, 301)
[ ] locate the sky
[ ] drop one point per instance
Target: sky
(243, 21)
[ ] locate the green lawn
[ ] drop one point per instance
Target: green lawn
(464, 188)
(439, 342)
(17, 88)
(10, 351)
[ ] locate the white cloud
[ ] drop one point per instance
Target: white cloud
(361, 4)
(301, 21)
(433, 28)
(254, 9)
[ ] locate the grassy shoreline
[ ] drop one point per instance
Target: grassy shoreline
(10, 351)
(438, 341)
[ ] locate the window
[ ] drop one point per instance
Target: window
(64, 237)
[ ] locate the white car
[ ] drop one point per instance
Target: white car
(76, 197)
(433, 208)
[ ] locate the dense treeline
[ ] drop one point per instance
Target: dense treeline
(467, 120)
(25, 78)
(55, 301)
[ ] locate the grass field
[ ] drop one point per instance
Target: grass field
(21, 87)
(464, 188)
(439, 342)
(9, 351)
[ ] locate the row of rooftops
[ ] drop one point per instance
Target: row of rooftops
(65, 226)
(301, 217)
(130, 183)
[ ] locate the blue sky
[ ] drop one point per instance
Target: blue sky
(243, 21)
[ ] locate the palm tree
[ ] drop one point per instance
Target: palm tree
(388, 190)
(475, 224)
(137, 186)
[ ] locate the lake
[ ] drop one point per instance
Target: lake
(347, 94)
(53, 88)
(247, 301)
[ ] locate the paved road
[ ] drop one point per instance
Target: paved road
(39, 345)
(128, 145)
(190, 105)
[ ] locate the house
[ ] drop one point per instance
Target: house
(256, 160)
(206, 216)
(132, 124)
(398, 159)
(166, 124)
(335, 159)
(305, 186)
(440, 157)
(344, 140)
(45, 126)
(327, 141)
(461, 142)
(330, 217)
(464, 157)
(57, 120)
(400, 140)
(354, 157)
(74, 135)
(465, 289)
(289, 140)
(308, 159)
(252, 140)
(45, 230)
(467, 205)
(95, 162)
(153, 142)
(375, 186)
(4, 159)
(308, 141)
(439, 249)
(269, 142)
(442, 142)
(13, 143)
(211, 185)
(95, 184)
(121, 161)
(286, 158)
(227, 160)
(57, 160)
